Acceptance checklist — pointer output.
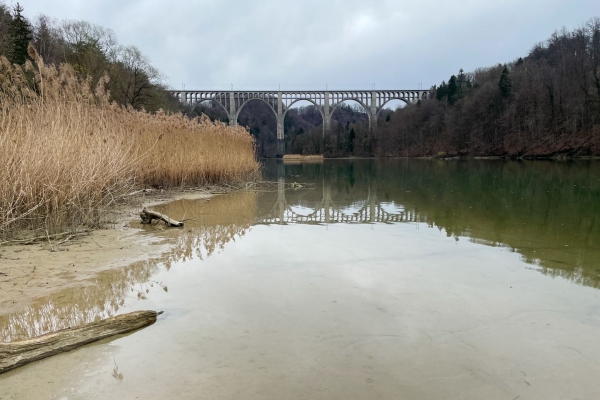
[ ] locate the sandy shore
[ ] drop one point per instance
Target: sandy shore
(28, 272)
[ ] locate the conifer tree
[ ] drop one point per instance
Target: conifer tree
(442, 91)
(452, 90)
(505, 84)
(20, 35)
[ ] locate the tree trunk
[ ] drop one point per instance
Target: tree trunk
(148, 216)
(16, 354)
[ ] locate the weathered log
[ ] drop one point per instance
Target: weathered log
(148, 216)
(17, 354)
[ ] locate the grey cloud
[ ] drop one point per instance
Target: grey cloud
(306, 44)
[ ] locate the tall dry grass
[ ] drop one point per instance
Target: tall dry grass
(67, 153)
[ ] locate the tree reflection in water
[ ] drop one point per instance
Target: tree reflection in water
(548, 212)
(215, 222)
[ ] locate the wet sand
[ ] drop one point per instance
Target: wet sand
(28, 272)
(31, 272)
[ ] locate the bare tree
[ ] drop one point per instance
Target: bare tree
(135, 79)
(88, 47)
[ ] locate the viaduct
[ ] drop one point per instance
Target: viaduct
(373, 101)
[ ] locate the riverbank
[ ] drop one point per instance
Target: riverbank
(37, 270)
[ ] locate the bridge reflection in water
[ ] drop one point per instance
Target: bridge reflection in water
(327, 212)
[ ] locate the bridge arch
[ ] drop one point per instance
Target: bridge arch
(308, 100)
(351, 99)
(367, 111)
(241, 107)
(213, 101)
(382, 107)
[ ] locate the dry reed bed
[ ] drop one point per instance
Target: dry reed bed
(67, 153)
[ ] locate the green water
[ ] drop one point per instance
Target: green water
(549, 212)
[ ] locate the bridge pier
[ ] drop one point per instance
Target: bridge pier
(373, 111)
(232, 111)
(280, 133)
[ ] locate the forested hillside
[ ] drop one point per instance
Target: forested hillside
(546, 103)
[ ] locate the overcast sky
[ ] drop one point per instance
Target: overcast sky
(259, 44)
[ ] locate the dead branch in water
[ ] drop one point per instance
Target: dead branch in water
(17, 354)
(148, 216)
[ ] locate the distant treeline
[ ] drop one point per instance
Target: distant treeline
(544, 104)
(92, 51)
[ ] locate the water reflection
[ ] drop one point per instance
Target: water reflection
(100, 298)
(369, 210)
(212, 223)
(216, 222)
(547, 212)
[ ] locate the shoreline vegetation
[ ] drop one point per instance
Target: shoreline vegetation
(69, 153)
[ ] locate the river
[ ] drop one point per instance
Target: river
(350, 279)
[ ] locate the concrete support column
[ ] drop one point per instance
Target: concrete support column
(184, 97)
(326, 116)
(373, 110)
(326, 122)
(232, 109)
(280, 133)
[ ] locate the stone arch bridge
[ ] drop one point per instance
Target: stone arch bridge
(373, 101)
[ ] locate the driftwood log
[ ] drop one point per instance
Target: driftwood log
(17, 354)
(148, 216)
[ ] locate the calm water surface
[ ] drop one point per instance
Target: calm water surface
(395, 279)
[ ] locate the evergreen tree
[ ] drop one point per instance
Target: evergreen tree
(442, 91)
(452, 90)
(505, 84)
(21, 35)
